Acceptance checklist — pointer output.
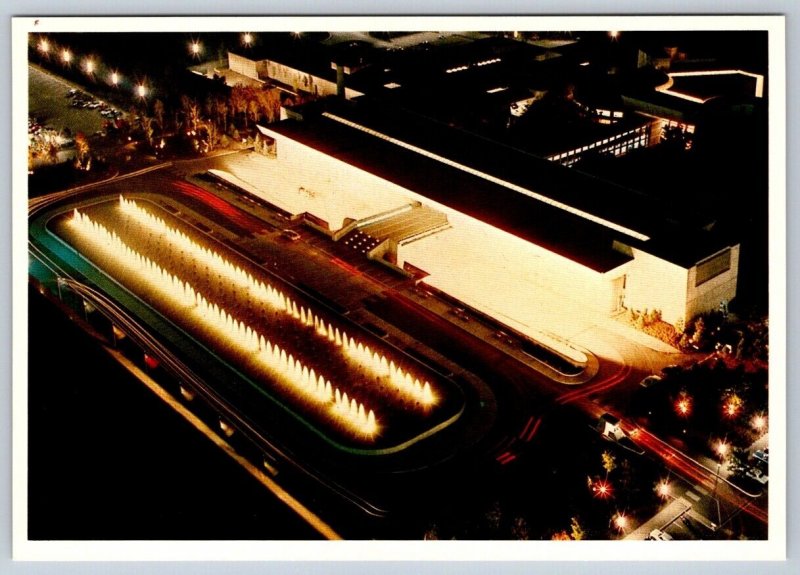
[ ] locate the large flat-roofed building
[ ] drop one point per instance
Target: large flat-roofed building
(529, 242)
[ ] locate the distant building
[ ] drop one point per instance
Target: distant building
(311, 69)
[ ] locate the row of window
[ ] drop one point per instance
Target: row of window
(618, 145)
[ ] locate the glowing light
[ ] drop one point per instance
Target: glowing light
(66, 56)
(602, 489)
(614, 34)
(247, 38)
(88, 65)
(663, 489)
(732, 406)
(336, 403)
(683, 406)
(44, 46)
(141, 90)
(114, 78)
(621, 521)
(722, 449)
(195, 48)
(291, 373)
(420, 393)
(667, 87)
(759, 422)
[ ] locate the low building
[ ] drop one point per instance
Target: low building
(309, 67)
(527, 242)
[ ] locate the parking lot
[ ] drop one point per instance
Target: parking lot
(49, 104)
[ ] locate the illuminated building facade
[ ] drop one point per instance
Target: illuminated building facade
(306, 76)
(516, 237)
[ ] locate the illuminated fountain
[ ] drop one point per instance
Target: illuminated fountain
(411, 389)
(283, 368)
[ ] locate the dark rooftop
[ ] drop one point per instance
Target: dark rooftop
(567, 234)
(582, 241)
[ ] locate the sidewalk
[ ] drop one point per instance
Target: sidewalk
(637, 336)
(660, 520)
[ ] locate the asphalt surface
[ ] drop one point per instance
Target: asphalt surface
(47, 103)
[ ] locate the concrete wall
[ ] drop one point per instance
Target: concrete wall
(292, 77)
(301, 80)
(708, 295)
(508, 276)
(326, 187)
(242, 65)
(654, 283)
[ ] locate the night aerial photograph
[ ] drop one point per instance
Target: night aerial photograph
(398, 285)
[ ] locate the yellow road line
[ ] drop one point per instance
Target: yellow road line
(306, 514)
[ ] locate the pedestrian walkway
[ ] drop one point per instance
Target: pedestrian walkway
(633, 334)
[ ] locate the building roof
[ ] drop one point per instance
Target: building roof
(494, 200)
(302, 53)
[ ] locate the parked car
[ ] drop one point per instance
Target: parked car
(290, 235)
(650, 381)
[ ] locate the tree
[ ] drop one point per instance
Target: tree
(147, 128)
(699, 331)
(432, 533)
(158, 114)
(609, 462)
(494, 517)
(519, 529)
(32, 155)
(239, 102)
(270, 101)
(191, 113)
(254, 109)
(52, 150)
(577, 533)
(209, 133)
(83, 157)
(208, 106)
(221, 107)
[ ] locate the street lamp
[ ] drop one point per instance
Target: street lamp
(620, 521)
(722, 450)
(195, 48)
(732, 405)
(114, 78)
(759, 422)
(44, 46)
(601, 489)
(663, 489)
(88, 65)
(683, 406)
(247, 39)
(66, 56)
(614, 34)
(141, 91)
